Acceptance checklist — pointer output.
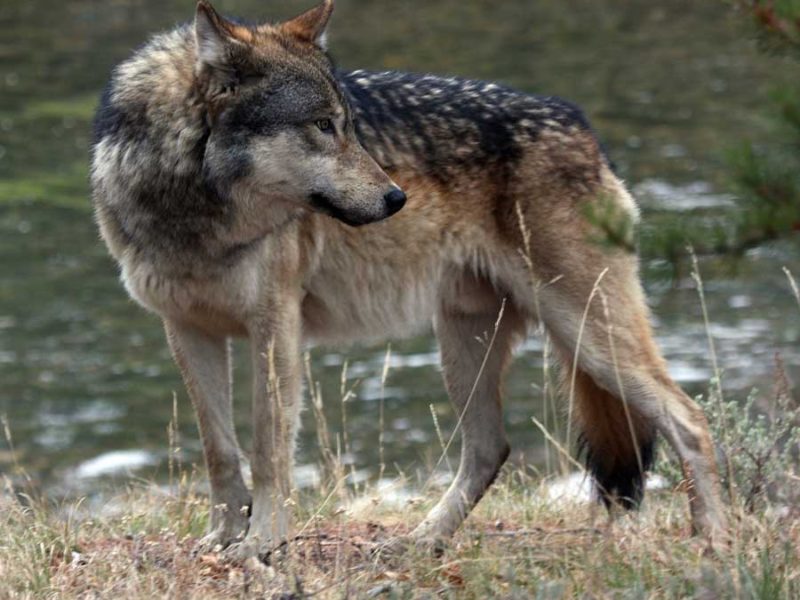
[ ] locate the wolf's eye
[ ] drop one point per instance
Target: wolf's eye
(324, 125)
(251, 79)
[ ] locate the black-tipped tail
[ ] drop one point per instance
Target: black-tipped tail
(620, 480)
(617, 443)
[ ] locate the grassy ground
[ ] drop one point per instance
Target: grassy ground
(517, 544)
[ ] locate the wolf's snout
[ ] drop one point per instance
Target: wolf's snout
(395, 200)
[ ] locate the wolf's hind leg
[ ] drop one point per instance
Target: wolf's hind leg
(465, 337)
(204, 362)
(621, 389)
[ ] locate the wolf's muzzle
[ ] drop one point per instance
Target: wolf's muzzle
(393, 201)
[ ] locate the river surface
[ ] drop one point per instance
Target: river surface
(86, 380)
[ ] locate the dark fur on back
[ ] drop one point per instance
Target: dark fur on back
(440, 126)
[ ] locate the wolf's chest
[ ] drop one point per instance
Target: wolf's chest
(219, 305)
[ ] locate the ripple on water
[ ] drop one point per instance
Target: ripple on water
(660, 194)
(114, 463)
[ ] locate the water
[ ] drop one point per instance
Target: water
(86, 380)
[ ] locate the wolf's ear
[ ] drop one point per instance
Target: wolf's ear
(213, 35)
(311, 25)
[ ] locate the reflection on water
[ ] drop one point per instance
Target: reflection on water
(85, 376)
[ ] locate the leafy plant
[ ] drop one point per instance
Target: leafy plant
(758, 444)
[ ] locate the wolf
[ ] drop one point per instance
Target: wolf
(248, 188)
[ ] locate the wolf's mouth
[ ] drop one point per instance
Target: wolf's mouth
(325, 205)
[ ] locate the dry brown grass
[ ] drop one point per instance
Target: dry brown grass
(516, 545)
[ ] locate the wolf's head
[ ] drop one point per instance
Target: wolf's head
(280, 126)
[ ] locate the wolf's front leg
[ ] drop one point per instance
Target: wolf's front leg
(204, 361)
(276, 407)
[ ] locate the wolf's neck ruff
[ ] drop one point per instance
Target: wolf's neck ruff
(150, 142)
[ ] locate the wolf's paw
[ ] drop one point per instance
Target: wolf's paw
(251, 548)
(227, 525)
(221, 537)
(718, 538)
(393, 549)
(240, 552)
(712, 527)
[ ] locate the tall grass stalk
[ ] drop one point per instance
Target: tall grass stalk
(578, 342)
(387, 360)
(717, 380)
(793, 284)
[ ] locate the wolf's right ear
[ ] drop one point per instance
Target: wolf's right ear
(311, 25)
(213, 36)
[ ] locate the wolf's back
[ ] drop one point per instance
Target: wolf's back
(442, 126)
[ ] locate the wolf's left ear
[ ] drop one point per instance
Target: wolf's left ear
(213, 36)
(311, 25)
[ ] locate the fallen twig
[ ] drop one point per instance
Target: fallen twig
(539, 531)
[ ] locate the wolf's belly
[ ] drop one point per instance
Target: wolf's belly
(369, 307)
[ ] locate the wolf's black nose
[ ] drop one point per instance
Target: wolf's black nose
(395, 200)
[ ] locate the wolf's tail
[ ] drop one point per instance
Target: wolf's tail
(617, 444)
